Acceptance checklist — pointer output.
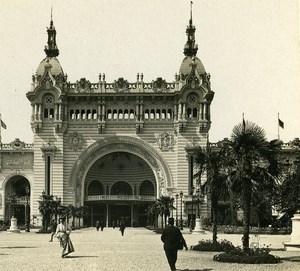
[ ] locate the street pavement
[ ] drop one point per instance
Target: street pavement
(138, 250)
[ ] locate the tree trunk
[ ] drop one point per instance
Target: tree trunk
(215, 225)
(246, 213)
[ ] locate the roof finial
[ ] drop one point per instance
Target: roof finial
(51, 47)
(191, 20)
(190, 48)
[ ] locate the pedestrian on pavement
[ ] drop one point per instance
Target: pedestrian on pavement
(97, 225)
(114, 224)
(101, 225)
(173, 241)
(53, 229)
(122, 227)
(63, 232)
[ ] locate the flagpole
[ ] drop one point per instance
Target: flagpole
(0, 131)
(278, 126)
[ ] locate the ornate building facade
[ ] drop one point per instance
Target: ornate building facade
(114, 147)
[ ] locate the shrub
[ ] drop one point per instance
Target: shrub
(158, 230)
(209, 245)
(249, 256)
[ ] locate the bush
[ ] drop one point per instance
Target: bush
(209, 245)
(248, 256)
(158, 230)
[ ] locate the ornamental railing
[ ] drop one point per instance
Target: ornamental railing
(121, 197)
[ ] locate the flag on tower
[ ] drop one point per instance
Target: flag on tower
(3, 125)
(281, 123)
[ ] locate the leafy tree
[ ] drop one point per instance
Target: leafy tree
(254, 160)
(289, 191)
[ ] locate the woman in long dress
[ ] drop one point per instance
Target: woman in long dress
(63, 232)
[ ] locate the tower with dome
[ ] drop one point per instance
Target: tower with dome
(116, 147)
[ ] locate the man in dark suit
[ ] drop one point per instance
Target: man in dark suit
(172, 238)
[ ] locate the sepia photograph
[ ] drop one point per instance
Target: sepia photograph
(149, 135)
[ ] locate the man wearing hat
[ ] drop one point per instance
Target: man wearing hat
(173, 240)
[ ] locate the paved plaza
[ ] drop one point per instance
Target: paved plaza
(138, 250)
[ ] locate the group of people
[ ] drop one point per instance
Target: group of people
(171, 237)
(121, 224)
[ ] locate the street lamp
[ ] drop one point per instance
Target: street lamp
(192, 215)
(198, 226)
(27, 216)
(181, 195)
(176, 196)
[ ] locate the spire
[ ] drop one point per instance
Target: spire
(51, 49)
(190, 48)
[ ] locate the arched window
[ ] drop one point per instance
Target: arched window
(163, 113)
(51, 115)
(195, 112)
(48, 105)
(169, 115)
(121, 188)
(109, 115)
(157, 115)
(95, 188)
(147, 188)
(94, 112)
(83, 116)
(88, 114)
(189, 113)
(46, 113)
(77, 114)
(72, 115)
(146, 114)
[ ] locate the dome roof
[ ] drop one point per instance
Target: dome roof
(55, 69)
(185, 67)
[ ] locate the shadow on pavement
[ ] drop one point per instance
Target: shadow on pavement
(205, 269)
(291, 259)
(16, 247)
(73, 257)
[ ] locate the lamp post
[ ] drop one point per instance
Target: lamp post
(192, 215)
(181, 195)
(27, 217)
(176, 196)
(198, 226)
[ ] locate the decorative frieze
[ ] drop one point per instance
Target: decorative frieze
(75, 141)
(165, 141)
(17, 160)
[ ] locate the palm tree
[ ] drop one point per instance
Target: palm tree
(165, 203)
(255, 160)
(47, 207)
(211, 163)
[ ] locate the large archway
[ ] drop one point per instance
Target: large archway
(126, 144)
(17, 196)
(123, 165)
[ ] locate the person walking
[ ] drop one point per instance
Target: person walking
(101, 225)
(173, 241)
(63, 232)
(97, 225)
(122, 227)
(53, 229)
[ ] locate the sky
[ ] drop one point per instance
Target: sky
(250, 48)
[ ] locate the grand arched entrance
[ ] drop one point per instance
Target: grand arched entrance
(17, 199)
(118, 178)
(119, 186)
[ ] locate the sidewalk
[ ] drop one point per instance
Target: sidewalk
(138, 250)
